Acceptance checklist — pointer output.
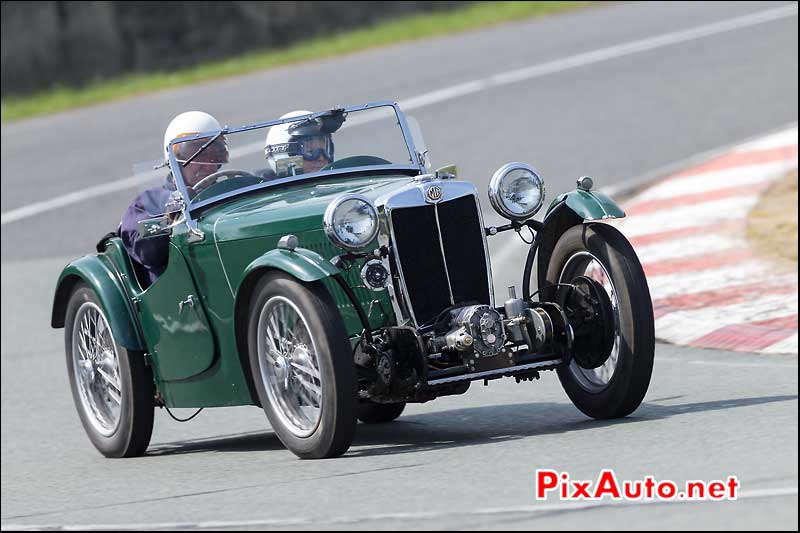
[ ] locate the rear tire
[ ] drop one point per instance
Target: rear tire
(379, 413)
(302, 366)
(112, 386)
(616, 388)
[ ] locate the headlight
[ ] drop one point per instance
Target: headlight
(516, 191)
(351, 221)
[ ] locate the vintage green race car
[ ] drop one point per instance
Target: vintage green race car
(327, 296)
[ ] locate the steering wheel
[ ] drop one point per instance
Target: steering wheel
(230, 172)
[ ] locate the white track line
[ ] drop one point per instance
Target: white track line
(597, 56)
(531, 510)
(72, 198)
(471, 87)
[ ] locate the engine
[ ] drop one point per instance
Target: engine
(462, 344)
(480, 331)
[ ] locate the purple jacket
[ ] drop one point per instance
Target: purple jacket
(152, 253)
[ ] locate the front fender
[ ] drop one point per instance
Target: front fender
(97, 272)
(589, 205)
(300, 263)
(567, 210)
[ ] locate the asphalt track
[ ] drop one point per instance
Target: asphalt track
(613, 92)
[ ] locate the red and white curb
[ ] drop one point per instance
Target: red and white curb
(710, 289)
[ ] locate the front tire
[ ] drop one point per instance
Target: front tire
(302, 366)
(112, 386)
(379, 413)
(617, 387)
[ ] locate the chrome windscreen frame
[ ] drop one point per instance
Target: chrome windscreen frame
(413, 195)
(416, 163)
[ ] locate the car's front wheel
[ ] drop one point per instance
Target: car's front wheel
(302, 366)
(613, 350)
(112, 386)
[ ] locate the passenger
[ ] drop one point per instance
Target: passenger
(297, 148)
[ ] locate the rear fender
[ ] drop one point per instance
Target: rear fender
(97, 272)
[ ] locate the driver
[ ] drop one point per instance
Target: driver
(297, 147)
(152, 253)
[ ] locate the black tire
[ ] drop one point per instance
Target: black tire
(336, 427)
(378, 413)
(628, 384)
(132, 434)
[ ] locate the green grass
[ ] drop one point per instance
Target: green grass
(398, 30)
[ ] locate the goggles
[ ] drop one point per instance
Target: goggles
(311, 147)
(215, 154)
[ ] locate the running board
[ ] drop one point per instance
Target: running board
(508, 371)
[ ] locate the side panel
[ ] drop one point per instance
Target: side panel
(175, 324)
(224, 383)
(98, 272)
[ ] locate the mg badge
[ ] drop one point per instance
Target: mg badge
(433, 194)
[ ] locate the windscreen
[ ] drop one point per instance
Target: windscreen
(301, 146)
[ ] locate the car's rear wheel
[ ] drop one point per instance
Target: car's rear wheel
(611, 374)
(378, 413)
(302, 366)
(112, 387)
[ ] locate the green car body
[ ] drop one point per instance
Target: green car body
(198, 354)
(330, 292)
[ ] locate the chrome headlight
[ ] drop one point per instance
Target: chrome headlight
(516, 191)
(351, 221)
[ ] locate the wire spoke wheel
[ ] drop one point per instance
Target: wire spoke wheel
(301, 365)
(111, 384)
(289, 366)
(96, 368)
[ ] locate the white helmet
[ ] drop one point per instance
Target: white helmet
(189, 123)
(284, 144)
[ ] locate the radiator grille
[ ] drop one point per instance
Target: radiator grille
(440, 272)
